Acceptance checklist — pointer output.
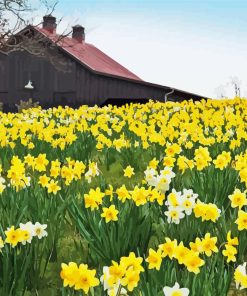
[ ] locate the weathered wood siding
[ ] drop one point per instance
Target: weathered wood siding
(77, 86)
(95, 89)
(4, 73)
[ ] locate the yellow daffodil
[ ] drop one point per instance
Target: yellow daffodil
(53, 187)
(110, 214)
(242, 220)
(128, 171)
(230, 252)
(154, 259)
(209, 244)
(238, 199)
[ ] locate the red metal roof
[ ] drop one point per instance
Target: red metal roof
(90, 56)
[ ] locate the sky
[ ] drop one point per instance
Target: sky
(198, 46)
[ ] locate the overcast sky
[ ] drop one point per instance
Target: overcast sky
(191, 45)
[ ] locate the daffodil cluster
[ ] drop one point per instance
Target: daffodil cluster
(176, 126)
(180, 204)
(119, 179)
(208, 212)
(123, 276)
(24, 234)
(49, 174)
(184, 255)
(188, 256)
(17, 174)
(139, 195)
(161, 181)
(230, 250)
(78, 277)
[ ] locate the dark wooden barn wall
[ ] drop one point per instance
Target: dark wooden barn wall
(95, 89)
(75, 87)
(4, 73)
(49, 82)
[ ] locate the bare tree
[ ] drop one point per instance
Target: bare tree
(235, 82)
(220, 91)
(16, 33)
(13, 15)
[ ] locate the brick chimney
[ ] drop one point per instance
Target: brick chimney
(49, 23)
(78, 33)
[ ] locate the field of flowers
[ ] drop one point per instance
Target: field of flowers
(144, 200)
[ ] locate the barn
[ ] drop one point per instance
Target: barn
(88, 76)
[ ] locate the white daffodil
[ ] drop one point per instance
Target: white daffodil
(27, 181)
(242, 268)
(174, 198)
(111, 291)
(160, 181)
(188, 201)
(167, 171)
(30, 228)
(104, 278)
(176, 290)
(187, 205)
(150, 176)
(88, 177)
(93, 169)
(240, 272)
(176, 108)
(39, 230)
(2, 185)
(92, 172)
(230, 132)
(163, 183)
(2, 180)
(174, 214)
(114, 291)
(188, 193)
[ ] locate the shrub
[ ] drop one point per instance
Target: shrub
(26, 105)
